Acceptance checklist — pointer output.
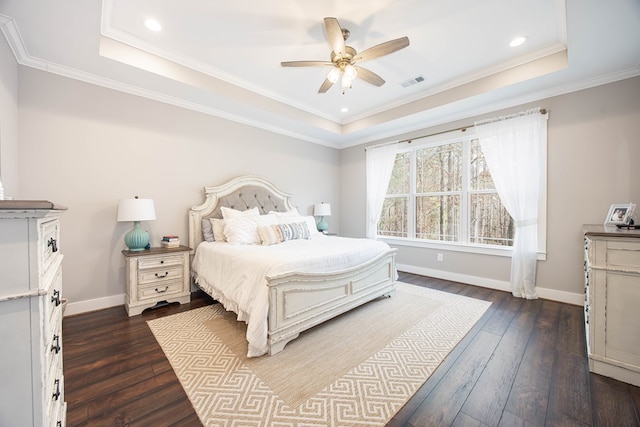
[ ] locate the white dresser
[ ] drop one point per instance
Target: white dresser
(31, 375)
(612, 301)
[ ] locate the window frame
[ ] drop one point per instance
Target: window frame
(464, 136)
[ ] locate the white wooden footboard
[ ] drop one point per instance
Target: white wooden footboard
(298, 301)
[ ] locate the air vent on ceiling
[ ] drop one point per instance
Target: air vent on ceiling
(412, 81)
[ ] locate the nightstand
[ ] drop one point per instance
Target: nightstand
(156, 275)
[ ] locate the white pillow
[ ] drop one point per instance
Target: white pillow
(309, 220)
(244, 230)
(292, 212)
(234, 213)
(217, 226)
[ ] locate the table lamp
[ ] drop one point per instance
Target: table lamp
(322, 210)
(136, 210)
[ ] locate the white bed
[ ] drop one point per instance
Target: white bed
(289, 286)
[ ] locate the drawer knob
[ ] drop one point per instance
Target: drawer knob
(162, 276)
(53, 244)
(55, 347)
(166, 288)
(56, 395)
(55, 298)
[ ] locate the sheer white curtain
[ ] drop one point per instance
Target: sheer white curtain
(379, 166)
(514, 147)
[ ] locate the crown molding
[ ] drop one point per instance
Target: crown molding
(23, 57)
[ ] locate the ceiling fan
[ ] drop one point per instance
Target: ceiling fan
(344, 58)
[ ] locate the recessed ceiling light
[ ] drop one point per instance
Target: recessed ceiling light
(344, 109)
(152, 24)
(517, 41)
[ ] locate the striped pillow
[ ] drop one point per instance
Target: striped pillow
(278, 233)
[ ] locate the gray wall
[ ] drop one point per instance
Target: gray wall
(87, 147)
(8, 119)
(593, 152)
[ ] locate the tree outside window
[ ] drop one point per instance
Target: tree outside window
(444, 192)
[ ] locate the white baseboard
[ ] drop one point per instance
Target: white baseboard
(500, 285)
(93, 304)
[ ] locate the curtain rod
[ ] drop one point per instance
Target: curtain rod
(461, 128)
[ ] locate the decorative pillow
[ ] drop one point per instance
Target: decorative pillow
(244, 230)
(217, 226)
(207, 231)
(234, 213)
(278, 233)
(309, 220)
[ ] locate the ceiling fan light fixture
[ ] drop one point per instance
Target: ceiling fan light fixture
(350, 72)
(344, 57)
(333, 75)
(347, 83)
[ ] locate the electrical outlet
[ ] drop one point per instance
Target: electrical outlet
(440, 257)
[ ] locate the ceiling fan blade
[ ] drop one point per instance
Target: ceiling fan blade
(304, 63)
(334, 35)
(382, 49)
(326, 85)
(370, 77)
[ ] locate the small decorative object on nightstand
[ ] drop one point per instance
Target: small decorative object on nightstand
(156, 276)
(136, 210)
(322, 210)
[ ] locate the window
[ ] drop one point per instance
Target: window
(442, 191)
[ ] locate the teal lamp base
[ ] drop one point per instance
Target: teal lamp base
(323, 226)
(137, 239)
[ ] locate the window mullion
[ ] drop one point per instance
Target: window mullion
(411, 232)
(465, 202)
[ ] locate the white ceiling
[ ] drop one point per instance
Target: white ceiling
(223, 57)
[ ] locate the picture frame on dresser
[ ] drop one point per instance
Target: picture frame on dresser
(619, 213)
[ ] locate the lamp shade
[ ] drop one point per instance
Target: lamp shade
(136, 210)
(322, 209)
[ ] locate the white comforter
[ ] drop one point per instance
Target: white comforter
(235, 275)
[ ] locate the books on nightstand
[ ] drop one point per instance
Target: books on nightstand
(170, 241)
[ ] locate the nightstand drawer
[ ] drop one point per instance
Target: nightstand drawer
(155, 275)
(158, 262)
(157, 290)
(160, 275)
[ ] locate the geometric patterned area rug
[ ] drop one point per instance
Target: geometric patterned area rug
(358, 369)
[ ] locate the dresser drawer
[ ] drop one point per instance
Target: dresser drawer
(54, 396)
(158, 262)
(160, 275)
(53, 390)
(49, 243)
(52, 342)
(52, 303)
(157, 290)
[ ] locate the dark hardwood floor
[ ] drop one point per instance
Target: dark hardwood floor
(523, 364)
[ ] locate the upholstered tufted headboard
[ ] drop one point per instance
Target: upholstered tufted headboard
(240, 193)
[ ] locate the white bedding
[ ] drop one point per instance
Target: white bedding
(235, 275)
